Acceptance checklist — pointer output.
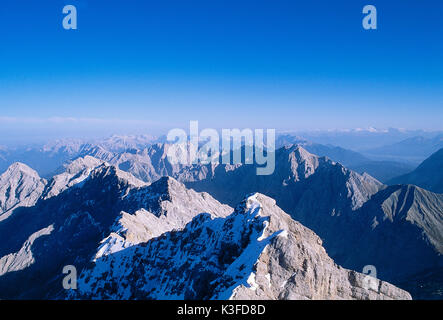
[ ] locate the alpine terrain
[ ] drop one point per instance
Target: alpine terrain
(131, 240)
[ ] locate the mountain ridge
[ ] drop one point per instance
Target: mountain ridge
(427, 175)
(235, 253)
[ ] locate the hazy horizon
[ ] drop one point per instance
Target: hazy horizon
(346, 138)
(155, 66)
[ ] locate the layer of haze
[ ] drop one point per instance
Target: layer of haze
(147, 66)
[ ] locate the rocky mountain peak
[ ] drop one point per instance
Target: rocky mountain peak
(166, 184)
(106, 171)
(17, 169)
(256, 252)
(82, 163)
(19, 186)
(302, 163)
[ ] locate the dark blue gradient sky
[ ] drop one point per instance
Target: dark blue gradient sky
(151, 65)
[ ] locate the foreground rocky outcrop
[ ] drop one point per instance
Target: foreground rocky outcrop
(257, 252)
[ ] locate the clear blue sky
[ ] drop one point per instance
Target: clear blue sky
(151, 65)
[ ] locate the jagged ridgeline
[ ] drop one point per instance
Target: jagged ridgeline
(179, 237)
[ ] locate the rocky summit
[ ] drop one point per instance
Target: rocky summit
(256, 252)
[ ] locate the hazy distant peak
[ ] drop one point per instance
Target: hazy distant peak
(105, 170)
(82, 163)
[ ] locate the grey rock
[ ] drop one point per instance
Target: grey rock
(106, 212)
(257, 252)
(20, 186)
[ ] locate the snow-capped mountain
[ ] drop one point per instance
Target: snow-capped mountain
(104, 212)
(73, 173)
(20, 186)
(341, 207)
(92, 209)
(428, 175)
(257, 252)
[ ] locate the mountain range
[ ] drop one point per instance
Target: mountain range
(344, 208)
(128, 207)
(139, 151)
(414, 149)
(163, 241)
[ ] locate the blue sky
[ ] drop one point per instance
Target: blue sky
(146, 66)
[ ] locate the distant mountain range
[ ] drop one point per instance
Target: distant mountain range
(138, 155)
(382, 170)
(48, 158)
(414, 149)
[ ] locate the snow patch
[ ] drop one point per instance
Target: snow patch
(251, 281)
(283, 234)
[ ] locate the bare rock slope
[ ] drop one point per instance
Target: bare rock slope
(104, 212)
(20, 186)
(257, 252)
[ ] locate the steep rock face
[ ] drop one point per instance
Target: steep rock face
(20, 186)
(428, 175)
(109, 210)
(295, 177)
(321, 194)
(401, 231)
(397, 229)
(150, 211)
(257, 252)
(73, 172)
(148, 164)
(75, 220)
